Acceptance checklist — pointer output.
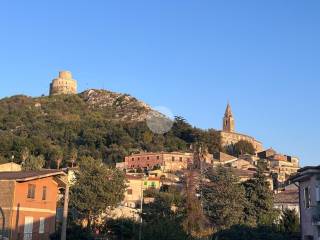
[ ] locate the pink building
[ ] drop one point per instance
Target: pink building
(173, 161)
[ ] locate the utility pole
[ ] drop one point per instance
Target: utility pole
(141, 208)
(65, 211)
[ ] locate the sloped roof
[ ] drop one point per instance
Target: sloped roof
(228, 112)
(133, 177)
(223, 157)
(288, 196)
(304, 173)
(23, 176)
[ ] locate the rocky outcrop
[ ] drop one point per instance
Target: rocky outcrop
(125, 107)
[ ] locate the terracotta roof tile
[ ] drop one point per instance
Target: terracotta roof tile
(288, 196)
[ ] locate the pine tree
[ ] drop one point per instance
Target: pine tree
(223, 198)
(259, 208)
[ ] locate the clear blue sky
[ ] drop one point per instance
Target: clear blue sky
(189, 56)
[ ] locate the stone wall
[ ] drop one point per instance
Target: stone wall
(230, 138)
(64, 84)
(177, 161)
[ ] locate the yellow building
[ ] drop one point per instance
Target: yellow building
(135, 186)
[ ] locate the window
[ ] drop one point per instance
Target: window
(132, 159)
(28, 227)
(307, 199)
(31, 191)
(172, 159)
(318, 194)
(41, 225)
(129, 191)
(180, 159)
(138, 158)
(44, 193)
(147, 158)
(158, 157)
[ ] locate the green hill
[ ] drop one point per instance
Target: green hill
(95, 123)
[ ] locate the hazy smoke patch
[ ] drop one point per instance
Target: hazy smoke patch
(160, 120)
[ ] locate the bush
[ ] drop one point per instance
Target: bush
(240, 232)
(75, 232)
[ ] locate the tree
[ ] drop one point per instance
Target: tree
(182, 129)
(242, 232)
(195, 222)
(259, 208)
(243, 147)
(163, 217)
(223, 198)
(74, 232)
(211, 139)
(156, 167)
(123, 228)
(164, 228)
(73, 155)
(56, 156)
(290, 222)
(115, 153)
(33, 163)
(24, 154)
(65, 122)
(97, 188)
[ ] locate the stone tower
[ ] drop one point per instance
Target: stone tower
(228, 120)
(64, 84)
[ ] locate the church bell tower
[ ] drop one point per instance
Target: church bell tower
(228, 120)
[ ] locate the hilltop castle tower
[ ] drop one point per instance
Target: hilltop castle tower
(228, 135)
(64, 84)
(228, 120)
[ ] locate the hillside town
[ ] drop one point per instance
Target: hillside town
(42, 200)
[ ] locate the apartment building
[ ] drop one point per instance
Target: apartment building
(168, 161)
(28, 203)
(308, 179)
